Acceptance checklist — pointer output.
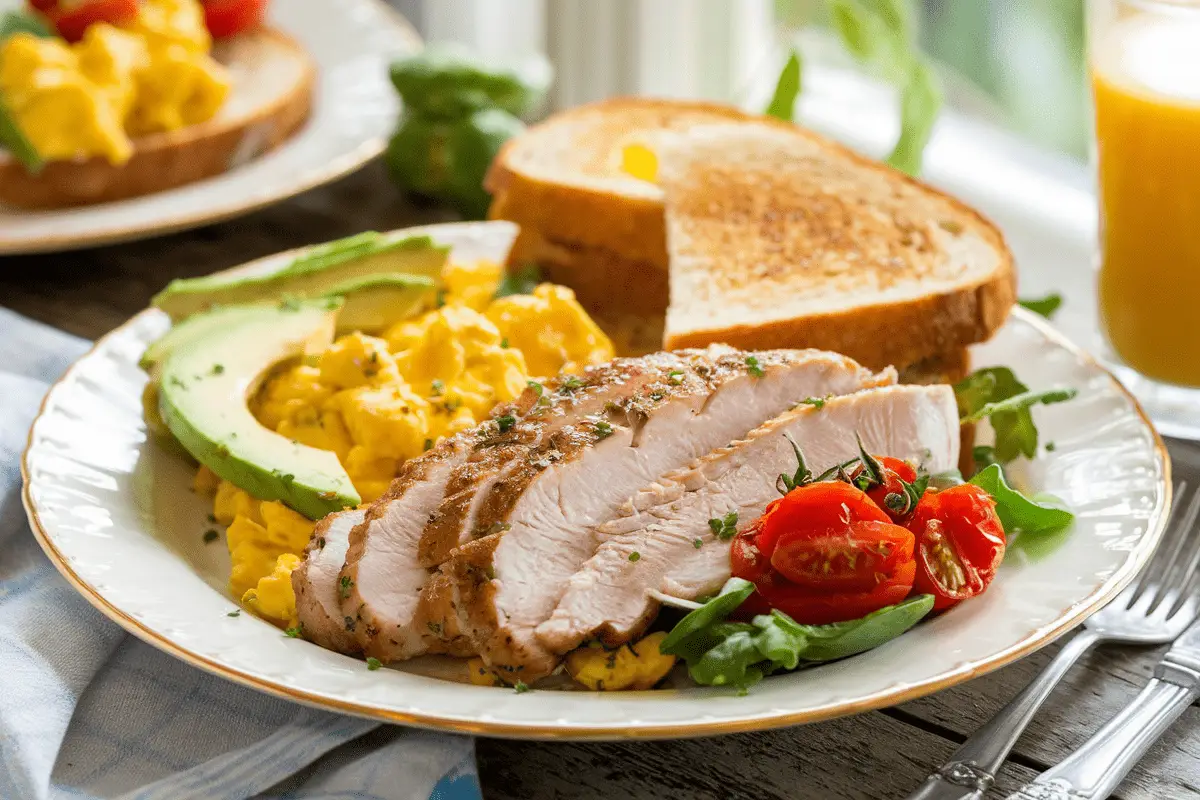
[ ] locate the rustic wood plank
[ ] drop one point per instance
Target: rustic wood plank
(876, 755)
(867, 757)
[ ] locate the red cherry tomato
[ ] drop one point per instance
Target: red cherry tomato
(72, 19)
(229, 17)
(43, 5)
(895, 471)
(817, 508)
(960, 544)
(815, 607)
(846, 561)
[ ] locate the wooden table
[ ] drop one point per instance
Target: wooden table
(876, 755)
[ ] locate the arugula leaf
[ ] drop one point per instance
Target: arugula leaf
(842, 639)
(732, 595)
(920, 101)
(1040, 514)
(787, 89)
(13, 139)
(523, 281)
(1046, 306)
(15, 22)
(995, 392)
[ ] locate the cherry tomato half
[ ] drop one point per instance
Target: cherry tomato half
(230, 17)
(895, 471)
(960, 544)
(43, 5)
(817, 508)
(72, 19)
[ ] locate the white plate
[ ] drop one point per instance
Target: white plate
(115, 515)
(354, 111)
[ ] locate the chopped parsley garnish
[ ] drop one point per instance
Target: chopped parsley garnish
(724, 527)
(237, 612)
(429, 444)
(217, 369)
(521, 281)
(287, 478)
(675, 376)
(538, 389)
(497, 527)
(570, 384)
(635, 556)
(752, 366)
(292, 633)
(289, 304)
(344, 586)
(504, 343)
(1051, 447)
(437, 388)
(603, 430)
(506, 422)
(441, 298)
(210, 536)
(373, 663)
(212, 518)
(521, 687)
(697, 543)
(816, 402)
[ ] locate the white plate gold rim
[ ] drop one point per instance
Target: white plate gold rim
(397, 697)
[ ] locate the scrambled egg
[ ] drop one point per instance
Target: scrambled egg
(378, 401)
(639, 665)
(89, 98)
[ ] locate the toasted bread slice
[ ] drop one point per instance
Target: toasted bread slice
(564, 178)
(780, 238)
(271, 98)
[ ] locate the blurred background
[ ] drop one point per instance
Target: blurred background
(1018, 64)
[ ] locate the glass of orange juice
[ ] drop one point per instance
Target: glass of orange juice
(1144, 63)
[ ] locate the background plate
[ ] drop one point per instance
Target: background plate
(115, 514)
(354, 112)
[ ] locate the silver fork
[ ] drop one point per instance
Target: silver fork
(1154, 609)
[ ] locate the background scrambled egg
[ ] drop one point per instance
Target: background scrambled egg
(377, 401)
(87, 99)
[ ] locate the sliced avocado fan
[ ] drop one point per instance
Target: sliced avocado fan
(311, 275)
(204, 388)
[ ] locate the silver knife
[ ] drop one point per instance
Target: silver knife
(1095, 770)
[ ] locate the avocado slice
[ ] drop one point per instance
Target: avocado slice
(377, 301)
(310, 275)
(204, 388)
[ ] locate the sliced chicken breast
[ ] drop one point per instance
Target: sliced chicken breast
(315, 582)
(545, 514)
(667, 524)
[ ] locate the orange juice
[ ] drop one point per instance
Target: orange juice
(1145, 72)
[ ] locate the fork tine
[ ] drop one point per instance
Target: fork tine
(1179, 523)
(1175, 573)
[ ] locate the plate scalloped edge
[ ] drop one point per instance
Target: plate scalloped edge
(1126, 528)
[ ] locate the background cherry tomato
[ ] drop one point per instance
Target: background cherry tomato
(230, 17)
(960, 544)
(817, 508)
(894, 470)
(72, 20)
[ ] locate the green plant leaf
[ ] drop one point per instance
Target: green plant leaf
(920, 101)
(13, 139)
(733, 594)
(1041, 514)
(842, 639)
(522, 281)
(787, 89)
(1045, 306)
(854, 28)
(15, 22)
(995, 393)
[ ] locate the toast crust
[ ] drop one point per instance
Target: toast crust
(168, 160)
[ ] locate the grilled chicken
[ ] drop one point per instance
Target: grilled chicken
(315, 582)
(667, 524)
(540, 521)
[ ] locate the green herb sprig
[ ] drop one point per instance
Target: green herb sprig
(994, 393)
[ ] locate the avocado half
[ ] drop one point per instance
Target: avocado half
(205, 385)
(314, 274)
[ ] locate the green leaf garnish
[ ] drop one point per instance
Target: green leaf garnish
(506, 422)
(724, 527)
(1045, 306)
(753, 367)
(995, 392)
(14, 22)
(13, 139)
(523, 281)
(718, 609)
(373, 663)
(787, 89)
(786, 483)
(1040, 514)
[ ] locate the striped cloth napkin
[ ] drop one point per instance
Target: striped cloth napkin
(87, 711)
